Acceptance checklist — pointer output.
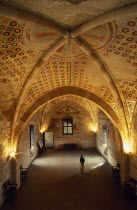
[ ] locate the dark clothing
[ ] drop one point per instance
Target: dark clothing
(82, 160)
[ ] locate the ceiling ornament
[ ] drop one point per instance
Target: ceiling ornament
(100, 37)
(67, 112)
(39, 37)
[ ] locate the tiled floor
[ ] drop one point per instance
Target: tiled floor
(54, 182)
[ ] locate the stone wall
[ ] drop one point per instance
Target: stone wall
(133, 166)
(111, 149)
(82, 140)
(82, 135)
(4, 151)
(133, 157)
(25, 154)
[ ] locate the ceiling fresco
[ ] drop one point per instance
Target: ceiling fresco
(66, 107)
(74, 12)
(33, 63)
(17, 58)
(73, 106)
(18, 51)
(38, 37)
(124, 48)
(12, 60)
(68, 100)
(100, 37)
(80, 11)
(79, 72)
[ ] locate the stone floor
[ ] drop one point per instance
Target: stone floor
(54, 182)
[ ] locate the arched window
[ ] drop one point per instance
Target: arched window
(67, 125)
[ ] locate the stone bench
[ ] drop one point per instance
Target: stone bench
(23, 171)
(116, 170)
(70, 146)
(130, 186)
(9, 191)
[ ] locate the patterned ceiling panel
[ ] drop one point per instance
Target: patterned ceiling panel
(59, 71)
(121, 55)
(121, 58)
(102, 36)
(21, 46)
(38, 37)
(76, 99)
(128, 88)
(55, 106)
(12, 63)
(70, 50)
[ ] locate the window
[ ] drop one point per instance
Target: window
(67, 125)
(31, 136)
(104, 134)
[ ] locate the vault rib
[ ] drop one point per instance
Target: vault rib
(106, 74)
(109, 16)
(15, 13)
(61, 91)
(31, 76)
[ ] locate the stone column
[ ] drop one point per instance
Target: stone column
(13, 171)
(125, 167)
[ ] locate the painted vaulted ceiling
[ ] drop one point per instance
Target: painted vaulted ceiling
(88, 48)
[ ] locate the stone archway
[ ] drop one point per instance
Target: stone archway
(61, 92)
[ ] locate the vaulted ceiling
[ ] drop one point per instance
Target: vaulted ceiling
(53, 45)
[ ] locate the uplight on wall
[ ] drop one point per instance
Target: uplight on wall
(12, 154)
(127, 148)
(92, 127)
(43, 128)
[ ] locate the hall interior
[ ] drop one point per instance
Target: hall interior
(68, 82)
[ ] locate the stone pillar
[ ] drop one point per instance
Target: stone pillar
(13, 171)
(18, 171)
(125, 167)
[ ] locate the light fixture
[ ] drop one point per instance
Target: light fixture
(12, 154)
(42, 130)
(127, 148)
(94, 129)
